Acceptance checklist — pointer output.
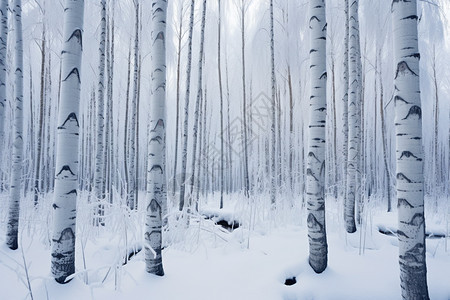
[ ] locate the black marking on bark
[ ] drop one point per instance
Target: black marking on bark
(156, 167)
(401, 176)
(65, 168)
(412, 17)
(417, 220)
(79, 36)
(311, 154)
(66, 234)
(403, 68)
(72, 192)
(409, 154)
(71, 116)
(55, 206)
(323, 76)
(414, 110)
(404, 202)
(160, 123)
(156, 139)
(398, 98)
(75, 72)
(314, 224)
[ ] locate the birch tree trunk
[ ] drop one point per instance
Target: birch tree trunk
(66, 173)
(156, 185)
(99, 180)
(3, 47)
(177, 125)
(222, 137)
(345, 103)
(244, 103)
(17, 155)
(353, 120)
(197, 102)
(384, 138)
(134, 103)
(186, 110)
(409, 153)
(273, 158)
(315, 172)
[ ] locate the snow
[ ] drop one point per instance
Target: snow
(205, 261)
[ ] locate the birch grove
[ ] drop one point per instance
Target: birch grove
(141, 141)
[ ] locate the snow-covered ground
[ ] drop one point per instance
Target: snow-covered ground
(205, 261)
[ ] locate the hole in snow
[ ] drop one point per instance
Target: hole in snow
(290, 281)
(230, 226)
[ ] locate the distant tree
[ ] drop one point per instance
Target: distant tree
(66, 174)
(99, 179)
(354, 98)
(186, 109)
(3, 47)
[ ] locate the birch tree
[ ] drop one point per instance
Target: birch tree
(199, 96)
(3, 47)
(156, 185)
(409, 153)
(17, 154)
(353, 119)
(219, 71)
(66, 174)
(272, 129)
(316, 152)
(99, 180)
(186, 109)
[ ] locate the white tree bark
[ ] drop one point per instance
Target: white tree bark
(66, 173)
(409, 152)
(345, 102)
(156, 184)
(353, 120)
(186, 110)
(315, 172)
(197, 102)
(99, 180)
(17, 155)
(3, 46)
(273, 188)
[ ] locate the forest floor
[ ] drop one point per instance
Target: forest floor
(207, 261)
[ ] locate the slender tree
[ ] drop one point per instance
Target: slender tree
(3, 47)
(273, 83)
(186, 109)
(409, 153)
(222, 137)
(134, 112)
(315, 172)
(156, 187)
(177, 125)
(345, 102)
(99, 180)
(17, 155)
(66, 174)
(353, 120)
